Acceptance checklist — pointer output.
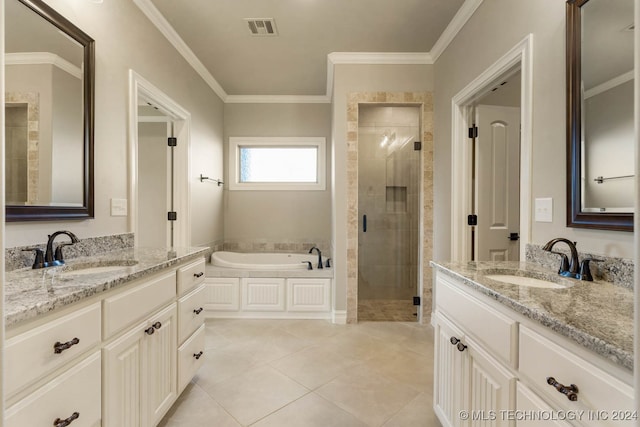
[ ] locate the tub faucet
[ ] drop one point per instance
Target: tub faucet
(319, 256)
(50, 258)
(573, 268)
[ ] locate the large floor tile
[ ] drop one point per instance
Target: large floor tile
(256, 393)
(367, 395)
(197, 408)
(418, 413)
(310, 411)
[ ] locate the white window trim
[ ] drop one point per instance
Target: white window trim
(234, 158)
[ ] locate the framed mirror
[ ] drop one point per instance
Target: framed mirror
(49, 110)
(600, 114)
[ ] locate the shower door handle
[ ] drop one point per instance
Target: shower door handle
(364, 223)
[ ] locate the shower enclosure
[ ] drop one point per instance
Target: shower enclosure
(389, 211)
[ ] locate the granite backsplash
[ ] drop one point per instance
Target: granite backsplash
(618, 271)
(19, 257)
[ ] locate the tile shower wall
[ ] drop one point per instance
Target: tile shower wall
(389, 195)
(424, 100)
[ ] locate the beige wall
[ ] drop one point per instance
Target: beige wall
(278, 216)
(494, 29)
(125, 40)
(349, 79)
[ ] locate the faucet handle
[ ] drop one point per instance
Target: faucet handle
(564, 262)
(585, 271)
(58, 254)
(39, 260)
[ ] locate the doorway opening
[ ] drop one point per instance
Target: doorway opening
(487, 171)
(495, 135)
(159, 151)
(389, 190)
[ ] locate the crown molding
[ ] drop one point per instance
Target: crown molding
(372, 58)
(278, 99)
(459, 20)
(167, 30)
(40, 58)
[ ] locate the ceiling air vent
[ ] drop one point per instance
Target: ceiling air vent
(262, 26)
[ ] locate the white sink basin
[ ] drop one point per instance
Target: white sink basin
(83, 270)
(524, 281)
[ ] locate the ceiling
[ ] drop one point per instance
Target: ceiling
(295, 62)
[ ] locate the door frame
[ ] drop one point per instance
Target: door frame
(520, 56)
(139, 87)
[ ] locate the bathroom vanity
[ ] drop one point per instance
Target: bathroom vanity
(508, 354)
(107, 341)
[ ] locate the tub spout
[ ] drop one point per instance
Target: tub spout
(319, 256)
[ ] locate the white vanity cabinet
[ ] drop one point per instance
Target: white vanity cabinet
(471, 385)
(140, 376)
(493, 366)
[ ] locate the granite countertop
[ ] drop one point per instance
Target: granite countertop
(597, 315)
(30, 293)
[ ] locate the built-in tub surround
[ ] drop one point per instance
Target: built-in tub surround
(17, 257)
(266, 261)
(424, 100)
(596, 315)
(31, 293)
(618, 271)
(261, 246)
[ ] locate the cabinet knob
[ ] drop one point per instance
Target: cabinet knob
(59, 347)
(198, 310)
(198, 355)
(150, 330)
(454, 340)
(571, 391)
(461, 347)
(198, 274)
(64, 423)
(157, 325)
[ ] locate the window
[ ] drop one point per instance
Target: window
(277, 163)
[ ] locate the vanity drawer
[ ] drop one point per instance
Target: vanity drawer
(77, 390)
(190, 312)
(132, 305)
(190, 276)
(597, 390)
(190, 358)
(496, 331)
(32, 355)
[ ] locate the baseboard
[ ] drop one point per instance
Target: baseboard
(340, 317)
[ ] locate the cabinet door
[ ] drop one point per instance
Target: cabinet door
(160, 365)
(448, 373)
(122, 380)
(491, 389)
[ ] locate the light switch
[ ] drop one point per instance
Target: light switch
(118, 207)
(544, 210)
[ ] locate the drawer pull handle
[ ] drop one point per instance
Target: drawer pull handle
(197, 355)
(59, 347)
(571, 391)
(64, 423)
(198, 311)
(150, 330)
(198, 274)
(157, 325)
(455, 341)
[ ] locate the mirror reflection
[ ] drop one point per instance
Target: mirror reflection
(49, 114)
(607, 161)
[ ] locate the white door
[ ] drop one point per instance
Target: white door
(497, 183)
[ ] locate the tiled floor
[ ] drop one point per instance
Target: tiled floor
(311, 373)
(387, 310)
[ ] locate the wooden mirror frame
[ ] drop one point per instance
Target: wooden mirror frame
(15, 213)
(575, 216)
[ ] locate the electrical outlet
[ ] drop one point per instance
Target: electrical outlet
(544, 210)
(118, 207)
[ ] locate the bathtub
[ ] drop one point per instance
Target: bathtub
(263, 261)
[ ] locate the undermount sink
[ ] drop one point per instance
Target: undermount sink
(98, 268)
(525, 281)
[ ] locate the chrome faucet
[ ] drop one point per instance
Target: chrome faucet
(571, 268)
(51, 258)
(319, 256)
